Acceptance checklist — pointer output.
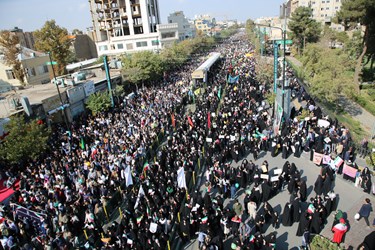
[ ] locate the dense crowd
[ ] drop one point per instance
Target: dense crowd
(105, 154)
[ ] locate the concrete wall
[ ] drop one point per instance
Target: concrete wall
(84, 47)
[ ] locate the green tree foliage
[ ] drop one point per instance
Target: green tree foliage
(10, 47)
(264, 71)
(26, 140)
(250, 29)
(142, 66)
(98, 102)
(146, 65)
(54, 39)
(328, 72)
(304, 29)
(352, 14)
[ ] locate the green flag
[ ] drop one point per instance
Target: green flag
(219, 93)
(82, 143)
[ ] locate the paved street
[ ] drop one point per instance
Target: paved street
(350, 200)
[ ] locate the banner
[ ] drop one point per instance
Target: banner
(326, 159)
(349, 171)
(23, 213)
(181, 180)
(317, 158)
(128, 176)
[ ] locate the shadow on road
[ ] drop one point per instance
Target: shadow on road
(281, 241)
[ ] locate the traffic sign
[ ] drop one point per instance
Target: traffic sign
(53, 63)
(282, 42)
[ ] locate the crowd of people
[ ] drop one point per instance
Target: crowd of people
(114, 152)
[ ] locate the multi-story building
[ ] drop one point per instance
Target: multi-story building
(185, 29)
(322, 10)
(125, 25)
(204, 23)
(26, 38)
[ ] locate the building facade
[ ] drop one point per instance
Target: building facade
(35, 69)
(323, 11)
(204, 24)
(125, 25)
(185, 29)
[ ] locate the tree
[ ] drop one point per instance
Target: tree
(52, 38)
(142, 66)
(328, 72)
(304, 29)
(98, 102)
(9, 43)
(352, 14)
(26, 140)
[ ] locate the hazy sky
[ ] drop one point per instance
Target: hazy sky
(32, 14)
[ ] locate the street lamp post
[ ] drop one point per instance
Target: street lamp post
(283, 32)
(59, 93)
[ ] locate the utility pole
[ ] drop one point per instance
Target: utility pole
(59, 93)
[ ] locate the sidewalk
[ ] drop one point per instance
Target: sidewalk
(366, 119)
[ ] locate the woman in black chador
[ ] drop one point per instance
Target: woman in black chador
(287, 217)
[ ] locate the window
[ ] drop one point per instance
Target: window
(323, 1)
(10, 74)
(321, 8)
(42, 69)
(141, 44)
(327, 8)
(168, 35)
(120, 46)
(129, 46)
(155, 42)
(336, 8)
(31, 72)
(103, 48)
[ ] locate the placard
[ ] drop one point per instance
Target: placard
(349, 171)
(153, 227)
(264, 176)
(277, 171)
(208, 139)
(326, 159)
(274, 178)
(338, 161)
(317, 158)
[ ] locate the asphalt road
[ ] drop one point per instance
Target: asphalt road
(350, 200)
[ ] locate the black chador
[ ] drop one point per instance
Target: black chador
(287, 216)
(304, 223)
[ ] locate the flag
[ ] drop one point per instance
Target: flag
(190, 122)
(173, 120)
(82, 143)
(141, 193)
(204, 220)
(146, 166)
(233, 79)
(197, 91)
(219, 93)
(181, 180)
(139, 219)
(128, 176)
(208, 120)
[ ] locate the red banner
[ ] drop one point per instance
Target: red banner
(190, 122)
(173, 120)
